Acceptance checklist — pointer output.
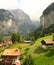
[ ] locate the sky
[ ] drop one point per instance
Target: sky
(33, 8)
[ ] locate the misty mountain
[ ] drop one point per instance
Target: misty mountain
(36, 24)
(15, 21)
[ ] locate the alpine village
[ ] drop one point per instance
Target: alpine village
(21, 43)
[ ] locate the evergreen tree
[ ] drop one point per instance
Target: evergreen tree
(15, 37)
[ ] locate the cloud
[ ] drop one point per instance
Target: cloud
(9, 4)
(33, 8)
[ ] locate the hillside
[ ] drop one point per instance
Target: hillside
(15, 20)
(49, 30)
(40, 56)
(41, 33)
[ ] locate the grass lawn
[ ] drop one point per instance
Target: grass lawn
(40, 56)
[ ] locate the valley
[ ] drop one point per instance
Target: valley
(39, 55)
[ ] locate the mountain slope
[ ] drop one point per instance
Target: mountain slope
(50, 29)
(47, 18)
(15, 20)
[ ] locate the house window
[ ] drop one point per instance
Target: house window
(14, 59)
(8, 61)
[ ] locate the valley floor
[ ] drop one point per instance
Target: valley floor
(40, 56)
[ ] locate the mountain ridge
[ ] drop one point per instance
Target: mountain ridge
(15, 21)
(47, 18)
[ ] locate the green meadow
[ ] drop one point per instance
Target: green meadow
(40, 56)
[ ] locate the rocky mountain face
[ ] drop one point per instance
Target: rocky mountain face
(15, 21)
(47, 18)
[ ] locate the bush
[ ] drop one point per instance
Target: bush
(32, 38)
(28, 60)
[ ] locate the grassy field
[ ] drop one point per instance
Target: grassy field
(40, 56)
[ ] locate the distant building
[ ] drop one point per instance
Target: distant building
(27, 41)
(2, 45)
(22, 38)
(11, 57)
(7, 41)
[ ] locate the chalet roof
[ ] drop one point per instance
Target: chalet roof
(49, 41)
(9, 43)
(1, 45)
(11, 52)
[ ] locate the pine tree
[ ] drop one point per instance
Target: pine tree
(15, 37)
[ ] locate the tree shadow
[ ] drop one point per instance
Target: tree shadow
(27, 49)
(50, 53)
(40, 50)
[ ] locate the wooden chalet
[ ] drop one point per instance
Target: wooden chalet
(11, 57)
(47, 43)
(7, 41)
